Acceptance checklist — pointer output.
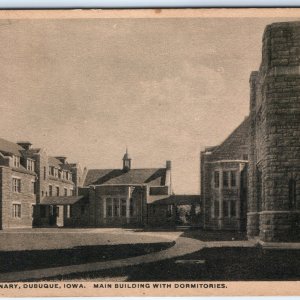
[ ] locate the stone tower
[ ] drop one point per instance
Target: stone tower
(274, 157)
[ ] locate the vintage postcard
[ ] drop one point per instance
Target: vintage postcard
(150, 152)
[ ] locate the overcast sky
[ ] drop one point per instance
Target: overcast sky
(166, 88)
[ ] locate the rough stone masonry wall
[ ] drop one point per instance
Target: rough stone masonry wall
(26, 198)
(276, 135)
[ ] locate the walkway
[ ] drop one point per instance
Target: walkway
(182, 247)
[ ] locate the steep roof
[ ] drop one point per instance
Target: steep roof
(133, 176)
(54, 162)
(236, 142)
(10, 147)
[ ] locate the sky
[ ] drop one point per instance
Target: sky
(165, 88)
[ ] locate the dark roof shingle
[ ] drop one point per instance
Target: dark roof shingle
(10, 147)
(60, 200)
(133, 176)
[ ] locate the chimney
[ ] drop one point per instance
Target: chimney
(168, 164)
(62, 159)
(25, 145)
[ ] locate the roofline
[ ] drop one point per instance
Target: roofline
(227, 161)
(246, 118)
(119, 184)
(130, 169)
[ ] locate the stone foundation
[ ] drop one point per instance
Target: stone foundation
(252, 224)
(280, 226)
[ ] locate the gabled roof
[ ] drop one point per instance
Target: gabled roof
(178, 200)
(54, 162)
(60, 200)
(234, 143)
(10, 147)
(133, 176)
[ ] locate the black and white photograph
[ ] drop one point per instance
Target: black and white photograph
(151, 146)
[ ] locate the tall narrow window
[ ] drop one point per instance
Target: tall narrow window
(225, 208)
(57, 191)
(216, 209)
(109, 207)
(292, 194)
(233, 209)
(131, 207)
(216, 179)
(233, 178)
(123, 207)
(16, 161)
(65, 191)
(50, 190)
(16, 182)
(225, 178)
(45, 171)
(16, 212)
(33, 187)
(116, 207)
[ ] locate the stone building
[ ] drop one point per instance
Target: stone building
(174, 210)
(224, 182)
(274, 157)
(35, 188)
(121, 197)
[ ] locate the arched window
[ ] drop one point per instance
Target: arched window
(292, 194)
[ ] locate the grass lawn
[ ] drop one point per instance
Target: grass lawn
(223, 264)
(210, 236)
(36, 259)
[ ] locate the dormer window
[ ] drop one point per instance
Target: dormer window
(30, 165)
(16, 161)
(51, 171)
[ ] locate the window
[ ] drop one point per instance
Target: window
(131, 207)
(65, 191)
(109, 207)
(233, 178)
(116, 207)
(50, 190)
(225, 208)
(216, 179)
(216, 209)
(51, 171)
(72, 192)
(245, 156)
(233, 209)
(292, 194)
(33, 187)
(57, 191)
(16, 161)
(45, 173)
(123, 207)
(43, 211)
(69, 211)
(16, 182)
(16, 212)
(225, 178)
(30, 165)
